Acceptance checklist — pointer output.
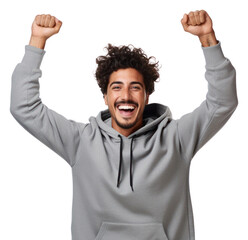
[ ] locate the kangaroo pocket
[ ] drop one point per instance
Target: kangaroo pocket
(131, 231)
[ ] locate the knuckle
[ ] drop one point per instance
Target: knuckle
(191, 14)
(37, 19)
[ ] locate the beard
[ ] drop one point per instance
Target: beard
(126, 125)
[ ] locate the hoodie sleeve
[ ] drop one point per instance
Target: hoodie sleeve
(197, 127)
(55, 131)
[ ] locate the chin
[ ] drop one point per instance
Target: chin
(126, 125)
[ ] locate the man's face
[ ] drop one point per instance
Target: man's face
(126, 98)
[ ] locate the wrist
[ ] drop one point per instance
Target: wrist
(38, 42)
(208, 40)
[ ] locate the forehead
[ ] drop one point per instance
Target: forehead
(126, 75)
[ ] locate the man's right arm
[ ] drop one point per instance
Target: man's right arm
(52, 129)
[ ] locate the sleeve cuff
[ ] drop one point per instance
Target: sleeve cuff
(33, 57)
(213, 55)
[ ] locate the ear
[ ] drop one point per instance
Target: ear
(105, 99)
(147, 98)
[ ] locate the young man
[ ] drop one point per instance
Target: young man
(132, 142)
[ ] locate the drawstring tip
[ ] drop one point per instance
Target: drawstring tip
(132, 188)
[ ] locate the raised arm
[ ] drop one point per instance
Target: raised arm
(51, 128)
(197, 127)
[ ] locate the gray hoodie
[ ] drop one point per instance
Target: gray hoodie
(135, 187)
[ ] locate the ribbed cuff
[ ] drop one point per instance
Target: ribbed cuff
(213, 55)
(33, 57)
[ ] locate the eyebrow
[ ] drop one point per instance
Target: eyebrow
(132, 83)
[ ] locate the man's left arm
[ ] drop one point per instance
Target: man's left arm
(197, 127)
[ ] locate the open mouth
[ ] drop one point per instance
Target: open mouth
(126, 110)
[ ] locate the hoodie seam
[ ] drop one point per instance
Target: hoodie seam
(28, 107)
(187, 182)
(80, 135)
(216, 106)
(188, 211)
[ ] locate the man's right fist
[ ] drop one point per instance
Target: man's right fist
(43, 27)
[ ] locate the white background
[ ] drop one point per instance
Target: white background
(36, 184)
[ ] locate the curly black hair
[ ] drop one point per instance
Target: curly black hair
(126, 57)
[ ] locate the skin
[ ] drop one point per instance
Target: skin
(126, 86)
(200, 24)
(43, 27)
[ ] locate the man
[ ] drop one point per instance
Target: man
(132, 142)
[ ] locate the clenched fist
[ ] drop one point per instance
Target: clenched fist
(43, 27)
(200, 24)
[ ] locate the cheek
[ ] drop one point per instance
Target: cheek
(110, 99)
(142, 98)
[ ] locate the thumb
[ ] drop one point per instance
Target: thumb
(207, 18)
(58, 25)
(184, 22)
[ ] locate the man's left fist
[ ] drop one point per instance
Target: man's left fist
(197, 23)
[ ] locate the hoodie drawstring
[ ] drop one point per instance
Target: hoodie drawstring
(119, 173)
(131, 162)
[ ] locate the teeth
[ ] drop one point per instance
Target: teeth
(126, 107)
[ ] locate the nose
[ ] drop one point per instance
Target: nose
(125, 94)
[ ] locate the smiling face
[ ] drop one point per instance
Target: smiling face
(126, 98)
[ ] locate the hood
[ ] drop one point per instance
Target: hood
(153, 115)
